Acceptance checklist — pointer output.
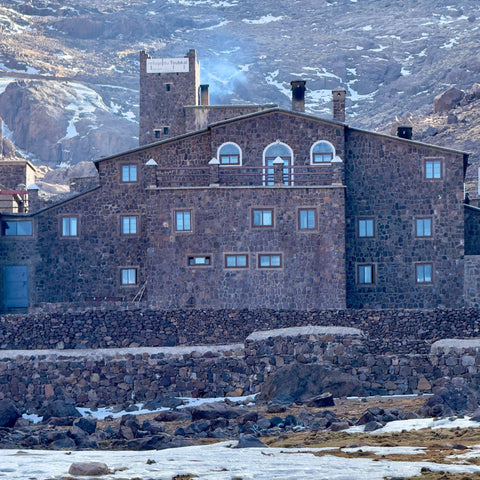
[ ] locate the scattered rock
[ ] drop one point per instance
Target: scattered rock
(448, 100)
(59, 408)
(9, 413)
(323, 400)
(249, 441)
(88, 469)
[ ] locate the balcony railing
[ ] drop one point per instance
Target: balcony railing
(298, 175)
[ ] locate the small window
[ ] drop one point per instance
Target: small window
(157, 133)
(269, 260)
(14, 228)
(424, 273)
(166, 130)
(199, 261)
(322, 152)
(236, 260)
(230, 154)
(129, 225)
(69, 226)
(129, 173)
(168, 87)
(183, 221)
(423, 227)
(307, 219)
(365, 274)
(129, 276)
(433, 169)
(262, 218)
(366, 227)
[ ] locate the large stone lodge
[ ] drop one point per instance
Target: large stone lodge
(247, 207)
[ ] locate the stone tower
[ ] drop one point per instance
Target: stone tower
(166, 86)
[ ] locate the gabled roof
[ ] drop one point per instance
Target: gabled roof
(265, 113)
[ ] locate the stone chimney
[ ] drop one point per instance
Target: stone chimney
(338, 95)
(204, 96)
(298, 95)
(33, 198)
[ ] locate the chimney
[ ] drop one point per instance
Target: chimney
(404, 131)
(204, 96)
(298, 95)
(33, 198)
(338, 96)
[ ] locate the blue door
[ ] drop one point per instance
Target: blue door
(16, 287)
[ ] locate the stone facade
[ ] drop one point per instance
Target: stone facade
(286, 165)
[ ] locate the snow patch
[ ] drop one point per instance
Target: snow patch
(309, 330)
(263, 20)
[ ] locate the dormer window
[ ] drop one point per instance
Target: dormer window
(322, 152)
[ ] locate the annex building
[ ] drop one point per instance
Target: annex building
(248, 206)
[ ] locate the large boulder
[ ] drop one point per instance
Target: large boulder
(302, 382)
(59, 408)
(88, 469)
(8, 413)
(448, 100)
(211, 411)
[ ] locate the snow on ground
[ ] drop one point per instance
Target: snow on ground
(263, 20)
(215, 462)
(308, 330)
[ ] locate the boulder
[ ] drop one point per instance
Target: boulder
(59, 408)
(304, 381)
(88, 469)
(210, 411)
(448, 100)
(9, 413)
(88, 425)
(323, 400)
(249, 441)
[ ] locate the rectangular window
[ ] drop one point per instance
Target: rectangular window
(234, 260)
(262, 218)
(322, 157)
(424, 273)
(365, 274)
(366, 227)
(129, 173)
(230, 159)
(307, 219)
(269, 260)
(12, 228)
(168, 87)
(433, 169)
(423, 227)
(183, 221)
(199, 261)
(166, 130)
(129, 225)
(69, 226)
(129, 276)
(157, 133)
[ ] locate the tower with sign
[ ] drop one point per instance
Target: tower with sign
(166, 86)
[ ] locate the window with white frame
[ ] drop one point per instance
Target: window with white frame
(129, 225)
(365, 274)
(433, 168)
(423, 272)
(183, 221)
(270, 154)
(269, 260)
(129, 173)
(262, 217)
(69, 227)
(229, 154)
(236, 260)
(423, 227)
(322, 152)
(366, 227)
(128, 276)
(307, 219)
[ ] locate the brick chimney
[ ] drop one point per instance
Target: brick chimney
(338, 95)
(204, 96)
(298, 95)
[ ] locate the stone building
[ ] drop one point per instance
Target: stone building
(247, 206)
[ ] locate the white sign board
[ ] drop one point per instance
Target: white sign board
(167, 65)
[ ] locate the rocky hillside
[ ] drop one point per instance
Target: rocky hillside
(69, 70)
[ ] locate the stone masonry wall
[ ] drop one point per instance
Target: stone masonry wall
(95, 378)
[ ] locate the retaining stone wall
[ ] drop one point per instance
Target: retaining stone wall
(387, 331)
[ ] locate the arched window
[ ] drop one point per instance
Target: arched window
(322, 152)
(273, 151)
(229, 154)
